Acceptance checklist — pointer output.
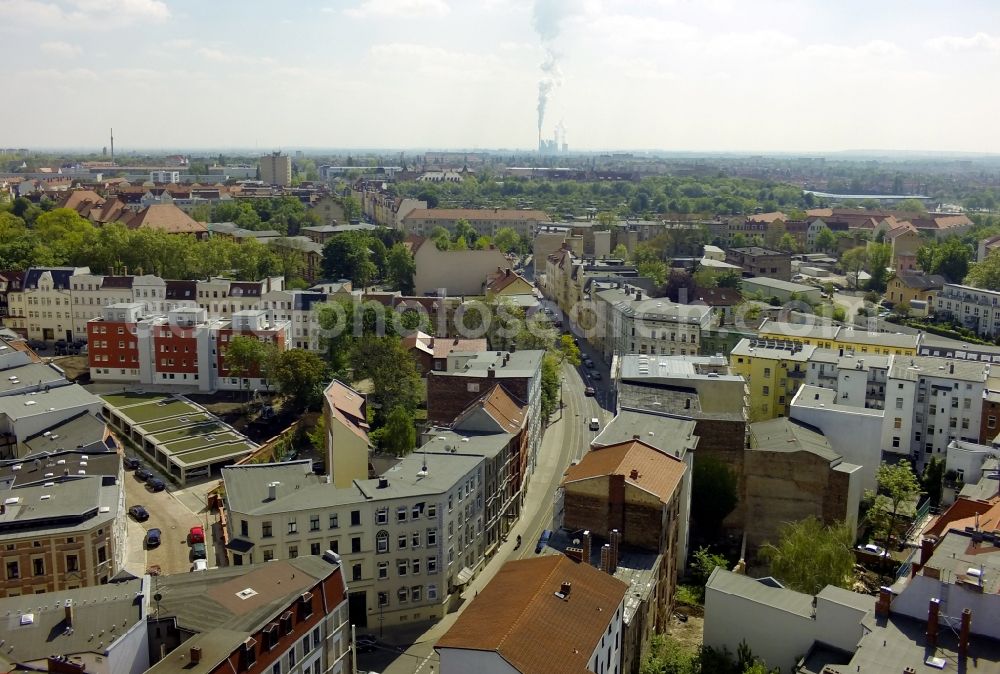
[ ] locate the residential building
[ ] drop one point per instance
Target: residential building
(41, 308)
(790, 472)
(784, 627)
(905, 241)
(485, 221)
(410, 538)
(511, 286)
(830, 336)
(494, 427)
(308, 252)
(757, 261)
(288, 616)
(634, 323)
(345, 417)
(632, 494)
(221, 297)
(855, 433)
(165, 176)
(166, 217)
(773, 370)
(943, 397)
(468, 376)
(60, 529)
(858, 381)
(987, 246)
(910, 286)
(971, 461)
(300, 308)
(785, 291)
(975, 308)
(550, 605)
(723, 302)
(431, 353)
(453, 272)
(26, 414)
(276, 169)
(233, 232)
(183, 347)
(989, 429)
(571, 281)
(61, 633)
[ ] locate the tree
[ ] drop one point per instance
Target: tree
(655, 270)
(932, 481)
(729, 279)
(986, 274)
(739, 240)
(392, 371)
(911, 206)
(606, 219)
(400, 268)
(897, 486)
(853, 262)
(465, 231)
(713, 494)
(787, 243)
(349, 256)
(949, 258)
(300, 375)
(398, 435)
(620, 252)
(879, 258)
(244, 357)
(825, 240)
(352, 208)
(680, 286)
(551, 381)
(317, 434)
(507, 240)
(809, 556)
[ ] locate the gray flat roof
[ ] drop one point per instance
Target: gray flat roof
(30, 377)
(787, 435)
(479, 444)
(913, 367)
(520, 364)
(111, 610)
(84, 430)
(759, 592)
(73, 504)
(778, 284)
(33, 468)
(818, 397)
(15, 406)
(802, 353)
(666, 433)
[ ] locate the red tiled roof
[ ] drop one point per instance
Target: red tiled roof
(167, 218)
(656, 472)
(518, 615)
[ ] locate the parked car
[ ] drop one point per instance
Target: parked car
(595, 425)
(130, 462)
(139, 513)
(589, 391)
(199, 565)
(156, 484)
(543, 540)
(198, 551)
(143, 474)
(153, 538)
(588, 363)
(366, 643)
(872, 549)
(196, 535)
(597, 376)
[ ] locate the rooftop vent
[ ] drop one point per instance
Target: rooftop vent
(247, 593)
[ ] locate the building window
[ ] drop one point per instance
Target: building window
(356, 572)
(383, 598)
(268, 555)
(382, 542)
(401, 566)
(899, 402)
(432, 564)
(766, 390)
(432, 535)
(432, 592)
(415, 566)
(355, 544)
(38, 567)
(895, 441)
(265, 529)
(13, 571)
(402, 594)
(314, 549)
(355, 518)
(293, 527)
(382, 516)
(401, 514)
(991, 421)
(314, 523)
(897, 422)
(383, 570)
(401, 542)
(72, 563)
(415, 539)
(432, 510)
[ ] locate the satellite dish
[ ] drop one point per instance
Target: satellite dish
(157, 597)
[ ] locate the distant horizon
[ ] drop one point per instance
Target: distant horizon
(768, 76)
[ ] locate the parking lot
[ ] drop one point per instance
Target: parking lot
(173, 519)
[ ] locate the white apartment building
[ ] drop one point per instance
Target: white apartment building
(42, 309)
(858, 379)
(407, 540)
(975, 308)
(223, 297)
(298, 307)
(165, 176)
(637, 324)
(942, 397)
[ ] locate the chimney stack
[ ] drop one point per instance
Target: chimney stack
(585, 543)
(933, 611)
(884, 602)
(565, 588)
(195, 655)
(69, 613)
(926, 549)
(615, 542)
(606, 557)
(272, 490)
(963, 634)
(634, 475)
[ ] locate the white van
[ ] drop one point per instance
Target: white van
(595, 425)
(199, 565)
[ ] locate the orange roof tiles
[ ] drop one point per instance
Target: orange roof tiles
(518, 615)
(167, 218)
(656, 472)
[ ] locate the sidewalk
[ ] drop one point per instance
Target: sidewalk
(135, 554)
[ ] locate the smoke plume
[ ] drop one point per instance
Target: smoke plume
(547, 19)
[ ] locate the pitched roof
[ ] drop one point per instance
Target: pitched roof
(767, 217)
(508, 413)
(79, 199)
(655, 471)
(503, 279)
(963, 513)
(475, 214)
(717, 297)
(921, 281)
(167, 218)
(348, 407)
(519, 616)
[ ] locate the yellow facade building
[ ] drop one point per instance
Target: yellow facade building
(837, 337)
(773, 370)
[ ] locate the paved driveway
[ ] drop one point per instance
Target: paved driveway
(171, 517)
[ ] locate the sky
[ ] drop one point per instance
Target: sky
(686, 75)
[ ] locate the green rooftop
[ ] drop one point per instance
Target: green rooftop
(157, 410)
(185, 421)
(189, 432)
(213, 453)
(198, 442)
(120, 400)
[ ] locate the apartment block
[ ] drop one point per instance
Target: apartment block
(773, 370)
(975, 308)
(829, 336)
(42, 307)
(757, 261)
(408, 540)
(276, 169)
(183, 347)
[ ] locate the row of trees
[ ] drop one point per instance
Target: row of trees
(286, 215)
(465, 237)
(366, 256)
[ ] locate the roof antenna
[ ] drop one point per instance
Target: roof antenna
(423, 469)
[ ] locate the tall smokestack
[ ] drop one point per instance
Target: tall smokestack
(933, 611)
(963, 635)
(112, 147)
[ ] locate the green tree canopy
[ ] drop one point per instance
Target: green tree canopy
(400, 268)
(949, 258)
(349, 256)
(507, 240)
(395, 382)
(878, 258)
(986, 274)
(898, 488)
(809, 556)
(853, 261)
(300, 375)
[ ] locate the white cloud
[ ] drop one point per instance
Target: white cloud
(57, 48)
(958, 43)
(76, 14)
(431, 62)
(179, 43)
(398, 8)
(327, 10)
(221, 56)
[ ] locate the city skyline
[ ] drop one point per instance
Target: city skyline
(670, 75)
